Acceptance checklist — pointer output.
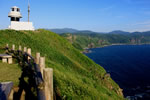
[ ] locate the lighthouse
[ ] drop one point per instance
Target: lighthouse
(15, 14)
(15, 23)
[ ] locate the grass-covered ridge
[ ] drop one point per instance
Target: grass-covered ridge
(75, 75)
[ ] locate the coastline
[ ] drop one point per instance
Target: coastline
(87, 50)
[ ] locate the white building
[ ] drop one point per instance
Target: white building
(15, 23)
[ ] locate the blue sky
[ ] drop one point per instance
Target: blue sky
(95, 15)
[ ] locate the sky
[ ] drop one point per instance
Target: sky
(95, 15)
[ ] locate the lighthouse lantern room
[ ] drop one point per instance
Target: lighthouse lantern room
(15, 14)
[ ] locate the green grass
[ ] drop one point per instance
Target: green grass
(9, 72)
(75, 75)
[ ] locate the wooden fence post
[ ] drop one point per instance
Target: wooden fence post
(42, 64)
(13, 47)
(29, 52)
(20, 48)
(37, 58)
(7, 45)
(48, 83)
(25, 49)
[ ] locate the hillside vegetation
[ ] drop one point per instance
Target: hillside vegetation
(75, 75)
(91, 40)
(9, 73)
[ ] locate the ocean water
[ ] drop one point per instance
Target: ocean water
(129, 66)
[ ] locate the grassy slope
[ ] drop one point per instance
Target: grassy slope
(9, 73)
(75, 75)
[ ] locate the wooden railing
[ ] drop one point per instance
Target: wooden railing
(36, 80)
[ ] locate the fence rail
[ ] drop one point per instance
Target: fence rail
(34, 74)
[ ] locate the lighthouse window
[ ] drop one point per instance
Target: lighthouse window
(17, 19)
(18, 9)
(12, 18)
(13, 9)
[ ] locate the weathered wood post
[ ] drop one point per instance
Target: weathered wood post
(29, 52)
(37, 58)
(48, 83)
(10, 60)
(42, 64)
(20, 48)
(47, 74)
(13, 47)
(25, 49)
(7, 45)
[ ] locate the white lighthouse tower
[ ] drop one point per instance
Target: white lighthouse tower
(15, 23)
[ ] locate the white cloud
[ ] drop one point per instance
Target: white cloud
(141, 23)
(139, 26)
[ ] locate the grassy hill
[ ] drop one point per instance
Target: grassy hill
(75, 75)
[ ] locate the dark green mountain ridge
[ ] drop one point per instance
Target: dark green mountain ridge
(91, 40)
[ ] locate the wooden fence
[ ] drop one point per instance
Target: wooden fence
(35, 77)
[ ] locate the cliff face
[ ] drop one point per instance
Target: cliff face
(75, 75)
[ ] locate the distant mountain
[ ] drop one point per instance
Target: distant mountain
(71, 30)
(75, 31)
(113, 32)
(63, 30)
(119, 32)
(85, 32)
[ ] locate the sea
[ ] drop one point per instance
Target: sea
(129, 67)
